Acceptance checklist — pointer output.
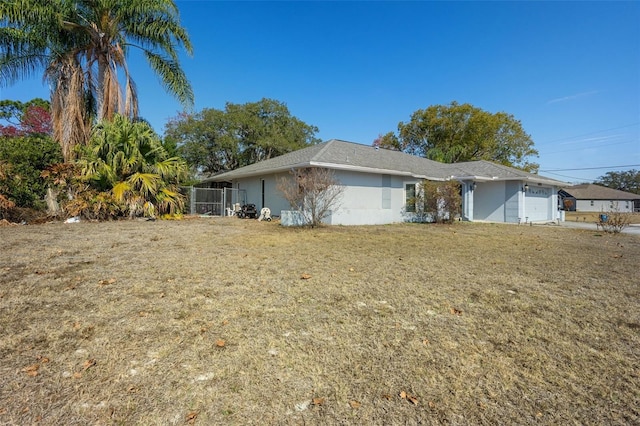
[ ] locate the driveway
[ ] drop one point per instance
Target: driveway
(631, 229)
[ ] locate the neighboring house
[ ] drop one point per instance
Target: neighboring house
(379, 183)
(590, 197)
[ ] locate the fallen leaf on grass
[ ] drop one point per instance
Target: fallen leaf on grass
(106, 282)
(386, 396)
(220, 343)
(31, 370)
(354, 404)
(425, 342)
(455, 311)
(77, 375)
(191, 417)
(88, 364)
(410, 398)
(305, 276)
(317, 401)
(42, 359)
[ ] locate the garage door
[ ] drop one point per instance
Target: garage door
(537, 205)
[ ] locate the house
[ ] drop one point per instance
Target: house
(379, 183)
(590, 197)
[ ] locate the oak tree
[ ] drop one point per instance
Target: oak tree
(461, 132)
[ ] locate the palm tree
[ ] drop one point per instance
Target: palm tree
(82, 48)
(127, 160)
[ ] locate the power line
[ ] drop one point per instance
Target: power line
(588, 147)
(592, 133)
(590, 168)
(570, 177)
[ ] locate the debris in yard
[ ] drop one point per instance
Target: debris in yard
(301, 406)
(31, 370)
(410, 398)
(305, 276)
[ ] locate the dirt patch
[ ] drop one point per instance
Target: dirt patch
(227, 321)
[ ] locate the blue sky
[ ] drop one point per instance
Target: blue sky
(569, 71)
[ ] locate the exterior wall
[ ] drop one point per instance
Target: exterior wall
(488, 201)
(368, 199)
(272, 197)
(513, 202)
(603, 205)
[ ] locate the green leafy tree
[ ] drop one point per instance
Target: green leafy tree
(125, 165)
(628, 180)
(461, 132)
(214, 141)
(23, 159)
(25, 118)
(81, 46)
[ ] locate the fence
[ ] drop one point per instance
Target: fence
(213, 201)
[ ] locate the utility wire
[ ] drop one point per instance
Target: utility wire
(591, 133)
(590, 168)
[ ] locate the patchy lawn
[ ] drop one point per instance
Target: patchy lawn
(227, 321)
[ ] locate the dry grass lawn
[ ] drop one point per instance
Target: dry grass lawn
(227, 321)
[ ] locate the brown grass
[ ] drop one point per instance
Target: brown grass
(595, 217)
(209, 321)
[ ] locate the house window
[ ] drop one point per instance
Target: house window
(410, 197)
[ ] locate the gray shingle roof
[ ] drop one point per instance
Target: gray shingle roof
(337, 154)
(589, 191)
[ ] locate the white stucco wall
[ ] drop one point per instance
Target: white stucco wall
(603, 205)
(272, 197)
(361, 202)
(488, 201)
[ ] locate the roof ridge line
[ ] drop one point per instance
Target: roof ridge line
(324, 148)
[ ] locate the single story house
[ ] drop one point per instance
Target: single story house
(589, 197)
(378, 184)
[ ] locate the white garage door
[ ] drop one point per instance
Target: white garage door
(537, 205)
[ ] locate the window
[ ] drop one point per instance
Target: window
(410, 197)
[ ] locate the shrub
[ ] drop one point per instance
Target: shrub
(24, 158)
(313, 192)
(438, 202)
(616, 220)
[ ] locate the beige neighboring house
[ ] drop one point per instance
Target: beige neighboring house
(589, 197)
